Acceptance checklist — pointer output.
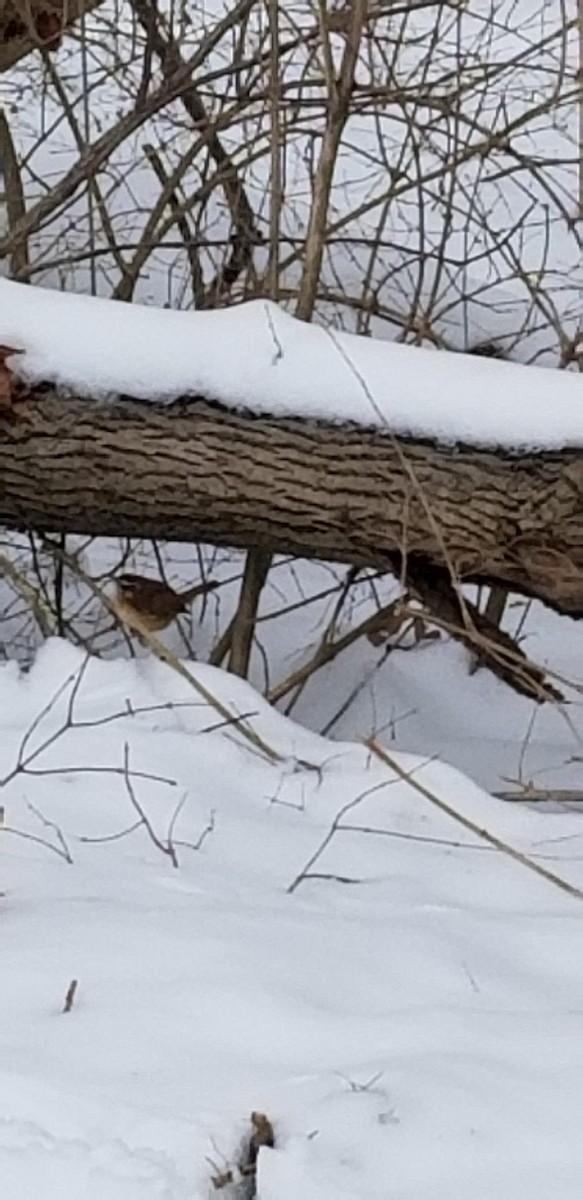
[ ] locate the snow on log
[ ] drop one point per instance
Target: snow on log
(256, 356)
(248, 428)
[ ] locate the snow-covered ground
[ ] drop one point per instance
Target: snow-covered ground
(410, 1020)
(413, 1033)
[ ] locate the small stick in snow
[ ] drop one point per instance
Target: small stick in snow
(70, 997)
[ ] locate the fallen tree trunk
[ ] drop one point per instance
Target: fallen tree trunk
(194, 471)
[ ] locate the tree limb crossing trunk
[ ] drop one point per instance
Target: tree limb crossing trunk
(194, 471)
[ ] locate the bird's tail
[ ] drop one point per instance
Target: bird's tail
(199, 589)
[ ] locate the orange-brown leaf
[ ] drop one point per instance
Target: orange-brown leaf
(10, 393)
(222, 1179)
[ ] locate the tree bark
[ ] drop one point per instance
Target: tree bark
(195, 471)
(26, 25)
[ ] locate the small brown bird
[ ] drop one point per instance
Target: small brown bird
(150, 604)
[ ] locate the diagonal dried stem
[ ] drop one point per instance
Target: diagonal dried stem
(452, 812)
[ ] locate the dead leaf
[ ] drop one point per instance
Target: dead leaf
(12, 392)
(222, 1179)
(389, 622)
(49, 27)
(262, 1135)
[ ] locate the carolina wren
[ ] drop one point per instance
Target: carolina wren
(151, 605)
